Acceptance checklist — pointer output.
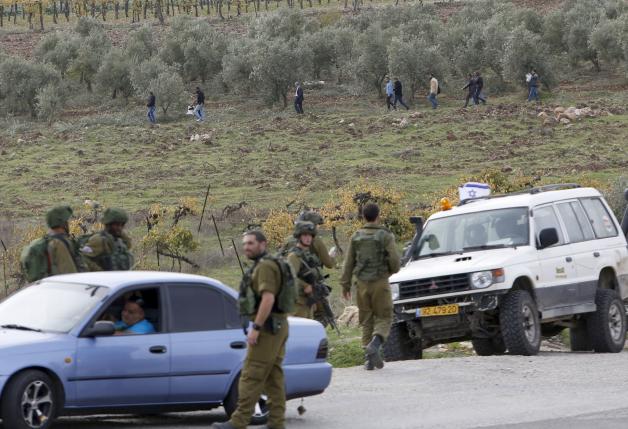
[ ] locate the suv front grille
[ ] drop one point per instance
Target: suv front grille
(434, 286)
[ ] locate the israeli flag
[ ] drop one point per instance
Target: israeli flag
(472, 190)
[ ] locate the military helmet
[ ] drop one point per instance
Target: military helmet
(115, 216)
(58, 216)
(310, 216)
(304, 227)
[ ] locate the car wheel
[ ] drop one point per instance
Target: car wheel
(488, 346)
(30, 401)
(261, 412)
(579, 337)
(399, 345)
(607, 326)
(520, 325)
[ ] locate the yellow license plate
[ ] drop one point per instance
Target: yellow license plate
(440, 310)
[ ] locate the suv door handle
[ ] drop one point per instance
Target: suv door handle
(596, 254)
(569, 259)
(158, 350)
(238, 345)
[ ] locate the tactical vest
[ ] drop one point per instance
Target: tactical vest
(119, 259)
(249, 300)
(310, 267)
(371, 256)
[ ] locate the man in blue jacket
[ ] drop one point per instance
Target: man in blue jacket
(298, 98)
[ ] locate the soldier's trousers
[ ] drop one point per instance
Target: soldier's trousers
(375, 309)
(262, 373)
(301, 309)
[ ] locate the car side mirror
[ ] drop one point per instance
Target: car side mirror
(101, 328)
(548, 237)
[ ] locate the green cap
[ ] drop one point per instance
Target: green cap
(58, 216)
(114, 215)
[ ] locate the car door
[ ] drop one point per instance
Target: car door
(125, 370)
(557, 272)
(579, 236)
(208, 344)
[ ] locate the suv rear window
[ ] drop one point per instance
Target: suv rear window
(600, 219)
(576, 221)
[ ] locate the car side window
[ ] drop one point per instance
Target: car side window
(196, 308)
(599, 217)
(545, 217)
(570, 220)
(232, 315)
(583, 220)
(135, 312)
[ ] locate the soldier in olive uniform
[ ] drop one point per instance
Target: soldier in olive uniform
(110, 249)
(372, 257)
(267, 335)
(61, 249)
(305, 266)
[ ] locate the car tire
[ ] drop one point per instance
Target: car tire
(399, 346)
(488, 346)
(607, 326)
(40, 411)
(261, 413)
(520, 324)
(579, 337)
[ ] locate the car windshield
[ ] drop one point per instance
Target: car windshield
(49, 306)
(474, 231)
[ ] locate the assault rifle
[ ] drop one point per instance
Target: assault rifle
(319, 295)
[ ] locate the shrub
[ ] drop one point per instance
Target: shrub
(114, 74)
(49, 101)
(59, 50)
(140, 46)
(143, 73)
(169, 91)
(19, 82)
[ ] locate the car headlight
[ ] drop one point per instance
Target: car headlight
(484, 279)
(394, 289)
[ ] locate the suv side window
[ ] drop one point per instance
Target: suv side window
(599, 217)
(583, 220)
(570, 220)
(196, 308)
(545, 217)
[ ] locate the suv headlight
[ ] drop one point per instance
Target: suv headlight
(484, 279)
(394, 289)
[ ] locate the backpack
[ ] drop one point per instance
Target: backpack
(285, 300)
(371, 258)
(35, 260)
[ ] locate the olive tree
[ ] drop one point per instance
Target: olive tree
(606, 39)
(20, 81)
(524, 51)
(140, 45)
(237, 66)
(142, 74)
(91, 52)
(59, 50)
(371, 66)
(49, 101)
(169, 91)
(114, 74)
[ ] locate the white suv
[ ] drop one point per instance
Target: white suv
(504, 271)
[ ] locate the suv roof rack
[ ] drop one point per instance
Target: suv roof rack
(532, 191)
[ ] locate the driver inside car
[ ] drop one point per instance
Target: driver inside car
(133, 319)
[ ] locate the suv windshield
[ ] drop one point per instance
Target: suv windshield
(474, 231)
(49, 306)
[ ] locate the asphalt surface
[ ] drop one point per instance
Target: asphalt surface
(549, 391)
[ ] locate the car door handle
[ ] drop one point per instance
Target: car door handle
(569, 259)
(596, 254)
(238, 345)
(158, 349)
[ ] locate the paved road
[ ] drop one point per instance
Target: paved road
(549, 391)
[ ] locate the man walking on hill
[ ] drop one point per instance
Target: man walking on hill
(479, 85)
(200, 103)
(390, 93)
(372, 257)
(471, 85)
(533, 86)
(298, 98)
(434, 90)
(151, 108)
(398, 90)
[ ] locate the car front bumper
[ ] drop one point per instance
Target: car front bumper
(307, 379)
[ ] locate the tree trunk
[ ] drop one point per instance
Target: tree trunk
(116, 9)
(158, 12)
(30, 21)
(54, 11)
(115, 92)
(41, 16)
(103, 5)
(67, 10)
(284, 96)
(1, 16)
(126, 8)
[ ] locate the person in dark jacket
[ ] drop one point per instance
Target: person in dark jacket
(398, 89)
(471, 84)
(200, 103)
(533, 86)
(298, 98)
(479, 85)
(151, 108)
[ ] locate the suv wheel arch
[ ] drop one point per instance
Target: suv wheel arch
(525, 283)
(608, 279)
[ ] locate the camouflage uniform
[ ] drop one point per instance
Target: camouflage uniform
(61, 249)
(373, 290)
(262, 371)
(105, 252)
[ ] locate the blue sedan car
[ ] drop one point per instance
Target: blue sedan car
(60, 353)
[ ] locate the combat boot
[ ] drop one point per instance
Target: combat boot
(368, 365)
(225, 425)
(372, 352)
